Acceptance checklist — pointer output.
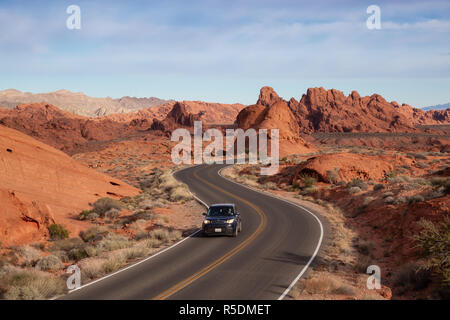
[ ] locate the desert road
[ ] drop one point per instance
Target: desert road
(278, 242)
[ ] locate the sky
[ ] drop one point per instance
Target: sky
(225, 51)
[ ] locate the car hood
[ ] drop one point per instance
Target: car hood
(219, 218)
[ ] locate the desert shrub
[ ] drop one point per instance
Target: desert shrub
(401, 200)
(93, 234)
(412, 186)
(112, 213)
(387, 194)
(91, 251)
(441, 184)
(365, 247)
(142, 215)
(357, 182)
(57, 232)
(308, 180)
(114, 242)
(146, 204)
(390, 174)
(415, 198)
(367, 200)
(160, 220)
(398, 179)
(389, 200)
(87, 215)
(30, 284)
(179, 194)
(420, 156)
(345, 290)
(422, 165)
(411, 277)
(136, 252)
(66, 244)
(77, 254)
(322, 285)
(28, 254)
(434, 241)
(91, 268)
(271, 186)
(378, 186)
(353, 190)
(362, 263)
(102, 205)
(161, 234)
(149, 241)
(309, 190)
(114, 262)
(50, 262)
(333, 175)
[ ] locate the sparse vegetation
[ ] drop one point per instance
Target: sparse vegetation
(29, 284)
(57, 232)
(353, 190)
(378, 186)
(87, 215)
(320, 285)
(411, 277)
(357, 182)
(103, 205)
(49, 263)
(333, 175)
(434, 241)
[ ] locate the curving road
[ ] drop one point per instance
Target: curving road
(278, 242)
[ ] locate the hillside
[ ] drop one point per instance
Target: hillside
(40, 185)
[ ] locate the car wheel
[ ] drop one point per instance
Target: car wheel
(235, 232)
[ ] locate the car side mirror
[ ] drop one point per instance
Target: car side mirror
(204, 213)
(237, 214)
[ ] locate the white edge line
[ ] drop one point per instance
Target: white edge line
(297, 205)
(146, 259)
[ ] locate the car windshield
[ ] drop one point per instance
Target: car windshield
(217, 211)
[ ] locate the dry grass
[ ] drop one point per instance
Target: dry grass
(29, 284)
(320, 285)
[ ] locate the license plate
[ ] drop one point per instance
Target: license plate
(217, 230)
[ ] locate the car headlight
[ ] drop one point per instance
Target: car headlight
(230, 221)
(207, 221)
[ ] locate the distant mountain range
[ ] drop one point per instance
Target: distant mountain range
(437, 107)
(78, 102)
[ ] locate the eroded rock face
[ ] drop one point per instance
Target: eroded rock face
(178, 117)
(40, 185)
(267, 97)
(321, 110)
(348, 166)
(72, 133)
(276, 116)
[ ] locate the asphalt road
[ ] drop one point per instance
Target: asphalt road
(276, 244)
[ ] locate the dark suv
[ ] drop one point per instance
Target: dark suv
(222, 218)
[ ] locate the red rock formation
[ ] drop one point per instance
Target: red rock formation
(64, 130)
(40, 185)
(276, 116)
(348, 166)
(178, 117)
(321, 110)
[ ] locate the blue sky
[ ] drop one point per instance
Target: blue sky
(225, 51)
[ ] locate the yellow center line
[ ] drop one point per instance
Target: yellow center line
(177, 287)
